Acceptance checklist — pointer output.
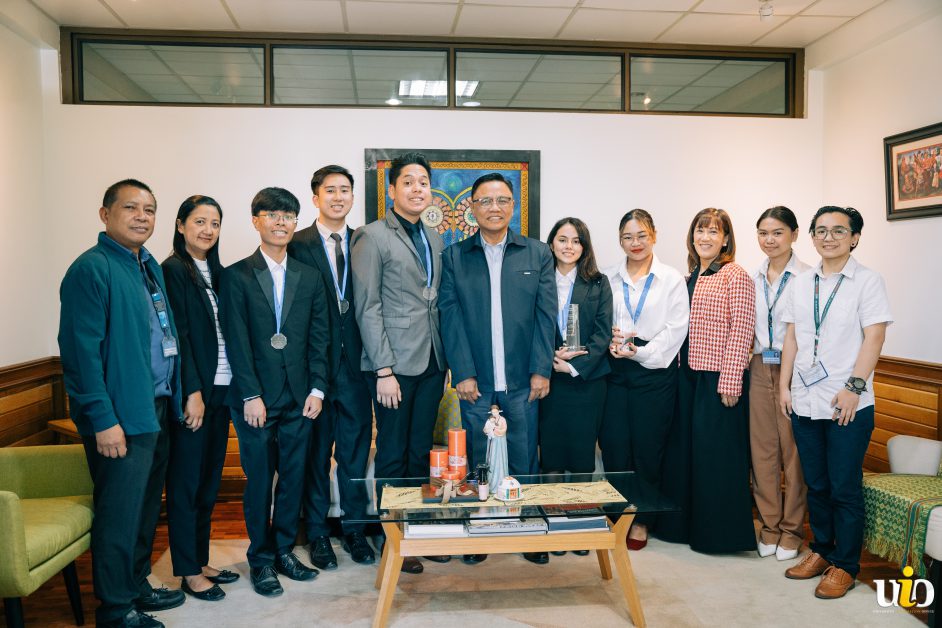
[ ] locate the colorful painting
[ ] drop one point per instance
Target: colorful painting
(453, 172)
(914, 173)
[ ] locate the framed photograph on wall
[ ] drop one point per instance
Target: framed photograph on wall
(453, 172)
(913, 163)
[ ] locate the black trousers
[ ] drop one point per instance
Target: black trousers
(127, 495)
(404, 435)
(193, 476)
(636, 422)
(570, 417)
(344, 429)
(280, 445)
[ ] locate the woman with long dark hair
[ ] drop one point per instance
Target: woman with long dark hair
(650, 324)
(708, 454)
(198, 445)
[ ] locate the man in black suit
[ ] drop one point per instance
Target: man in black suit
(346, 423)
(275, 325)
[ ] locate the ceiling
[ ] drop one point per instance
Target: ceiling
(796, 23)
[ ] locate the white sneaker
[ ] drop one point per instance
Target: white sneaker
(767, 550)
(783, 554)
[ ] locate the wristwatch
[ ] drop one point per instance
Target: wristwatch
(856, 385)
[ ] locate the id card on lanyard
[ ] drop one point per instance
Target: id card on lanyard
(771, 355)
(168, 344)
(817, 372)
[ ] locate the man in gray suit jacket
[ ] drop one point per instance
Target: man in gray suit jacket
(396, 273)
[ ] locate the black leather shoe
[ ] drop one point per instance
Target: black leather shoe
(360, 551)
(539, 558)
(438, 559)
(288, 565)
(562, 553)
(265, 581)
(473, 559)
(223, 577)
(411, 564)
(212, 594)
(581, 552)
(161, 599)
(134, 619)
(322, 553)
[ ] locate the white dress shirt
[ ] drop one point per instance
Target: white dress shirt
(565, 283)
(860, 302)
(278, 270)
(495, 262)
(666, 314)
(331, 248)
(794, 267)
(223, 375)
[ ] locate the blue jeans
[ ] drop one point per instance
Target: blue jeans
(522, 420)
(832, 462)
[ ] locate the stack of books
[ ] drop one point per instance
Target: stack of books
(484, 527)
(574, 518)
(434, 530)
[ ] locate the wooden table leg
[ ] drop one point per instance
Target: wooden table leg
(626, 576)
(382, 566)
(605, 565)
(391, 564)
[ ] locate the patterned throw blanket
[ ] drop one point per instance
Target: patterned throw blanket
(897, 510)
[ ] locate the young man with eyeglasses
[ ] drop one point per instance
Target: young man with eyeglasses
(274, 320)
(498, 305)
(836, 316)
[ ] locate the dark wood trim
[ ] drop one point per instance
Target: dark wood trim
(928, 373)
(30, 372)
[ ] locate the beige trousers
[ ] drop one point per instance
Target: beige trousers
(773, 449)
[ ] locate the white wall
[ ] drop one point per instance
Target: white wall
(27, 320)
(891, 88)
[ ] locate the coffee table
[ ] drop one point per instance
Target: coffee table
(619, 496)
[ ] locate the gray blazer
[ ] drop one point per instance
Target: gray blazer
(396, 321)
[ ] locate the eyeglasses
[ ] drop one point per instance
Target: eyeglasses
(487, 202)
(277, 217)
(837, 233)
(641, 238)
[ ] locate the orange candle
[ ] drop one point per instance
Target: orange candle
(451, 474)
(438, 461)
(457, 450)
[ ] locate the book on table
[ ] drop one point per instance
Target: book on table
(483, 527)
(434, 530)
(574, 517)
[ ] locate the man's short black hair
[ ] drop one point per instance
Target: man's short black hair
(111, 194)
(491, 176)
(400, 162)
(318, 179)
(275, 200)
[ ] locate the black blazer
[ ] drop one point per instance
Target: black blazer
(345, 344)
(196, 327)
(528, 300)
(594, 299)
(248, 323)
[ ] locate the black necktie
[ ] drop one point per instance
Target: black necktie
(338, 257)
(419, 245)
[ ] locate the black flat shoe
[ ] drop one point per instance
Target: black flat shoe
(288, 565)
(265, 581)
(322, 553)
(160, 599)
(581, 552)
(473, 559)
(562, 553)
(212, 594)
(438, 559)
(360, 551)
(223, 577)
(539, 558)
(411, 564)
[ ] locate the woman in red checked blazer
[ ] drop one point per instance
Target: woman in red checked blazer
(707, 463)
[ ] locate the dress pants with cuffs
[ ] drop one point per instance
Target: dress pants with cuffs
(772, 445)
(636, 422)
(193, 477)
(522, 424)
(280, 445)
(343, 430)
(832, 460)
(127, 500)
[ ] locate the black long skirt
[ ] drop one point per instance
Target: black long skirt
(570, 417)
(706, 469)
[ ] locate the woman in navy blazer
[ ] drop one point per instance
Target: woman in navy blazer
(198, 444)
(571, 414)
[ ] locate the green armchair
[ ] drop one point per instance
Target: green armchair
(45, 522)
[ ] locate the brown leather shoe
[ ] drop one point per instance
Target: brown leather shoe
(411, 564)
(835, 583)
(812, 565)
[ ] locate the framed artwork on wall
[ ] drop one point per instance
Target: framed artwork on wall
(913, 162)
(453, 172)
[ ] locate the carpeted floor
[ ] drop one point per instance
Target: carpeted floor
(678, 587)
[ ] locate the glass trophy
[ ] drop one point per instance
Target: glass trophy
(621, 320)
(573, 337)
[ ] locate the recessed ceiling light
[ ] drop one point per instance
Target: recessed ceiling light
(471, 103)
(394, 102)
(647, 100)
(425, 89)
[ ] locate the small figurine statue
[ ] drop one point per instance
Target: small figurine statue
(496, 430)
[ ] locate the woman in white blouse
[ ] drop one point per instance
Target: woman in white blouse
(782, 514)
(651, 313)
